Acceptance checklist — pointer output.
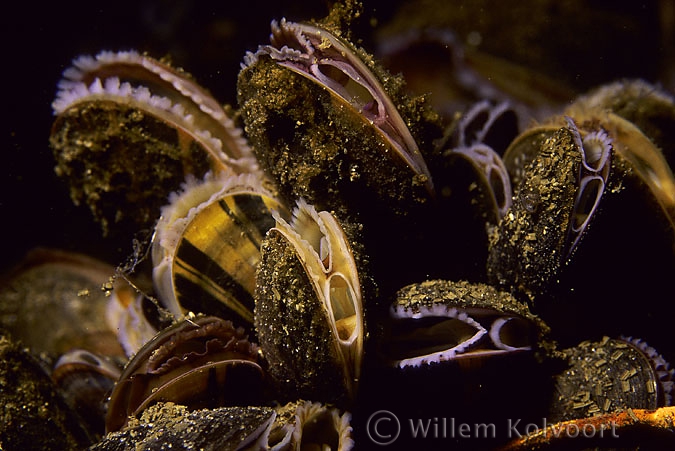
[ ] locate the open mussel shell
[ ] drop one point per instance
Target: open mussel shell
(593, 204)
(479, 137)
(610, 375)
(199, 362)
(439, 321)
(553, 206)
(311, 425)
(638, 119)
(461, 349)
(309, 308)
(331, 126)
(206, 246)
(129, 128)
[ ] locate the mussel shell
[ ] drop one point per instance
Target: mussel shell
(297, 425)
(155, 83)
(351, 163)
(129, 128)
(53, 301)
(309, 308)
(206, 247)
(35, 415)
(437, 350)
(313, 425)
(527, 248)
(116, 170)
(648, 106)
(169, 425)
(607, 376)
(305, 353)
(86, 380)
(200, 362)
(561, 189)
(479, 137)
(625, 234)
(438, 321)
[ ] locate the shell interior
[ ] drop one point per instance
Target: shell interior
(596, 153)
(438, 321)
(322, 427)
(492, 171)
(482, 134)
(324, 251)
(207, 246)
(201, 362)
(442, 333)
(320, 56)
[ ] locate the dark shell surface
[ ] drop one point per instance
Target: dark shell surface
(35, 415)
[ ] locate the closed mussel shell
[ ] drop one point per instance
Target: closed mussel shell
(293, 426)
(309, 308)
(168, 425)
(53, 301)
(610, 375)
(611, 393)
(206, 247)
(34, 414)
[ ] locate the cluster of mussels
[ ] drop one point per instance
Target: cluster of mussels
(350, 239)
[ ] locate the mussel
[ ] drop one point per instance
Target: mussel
(198, 362)
(309, 311)
(115, 110)
(345, 134)
(206, 246)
